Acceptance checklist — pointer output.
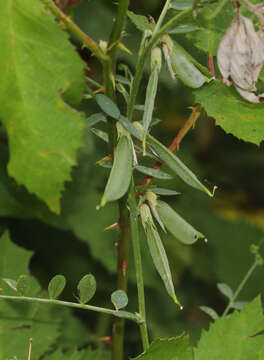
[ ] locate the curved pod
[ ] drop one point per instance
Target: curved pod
(176, 225)
(121, 172)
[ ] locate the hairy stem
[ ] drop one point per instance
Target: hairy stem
(118, 28)
(82, 36)
(119, 314)
(162, 16)
(138, 263)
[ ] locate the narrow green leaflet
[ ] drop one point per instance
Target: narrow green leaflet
(39, 70)
(157, 251)
(175, 164)
(107, 105)
(176, 348)
(181, 4)
(39, 322)
(210, 312)
(86, 288)
(235, 115)
(141, 22)
(176, 225)
(56, 286)
(234, 337)
(158, 174)
(225, 290)
(165, 192)
(119, 299)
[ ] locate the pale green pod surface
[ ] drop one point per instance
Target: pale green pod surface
(181, 65)
(157, 251)
(176, 225)
(121, 172)
(176, 165)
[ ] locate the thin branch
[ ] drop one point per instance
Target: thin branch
(82, 36)
(117, 313)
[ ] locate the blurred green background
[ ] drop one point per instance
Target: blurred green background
(75, 243)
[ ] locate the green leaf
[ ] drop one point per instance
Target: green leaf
(39, 70)
(168, 349)
(225, 290)
(86, 354)
(211, 31)
(86, 288)
(158, 174)
(119, 299)
(175, 164)
(33, 320)
(56, 286)
(181, 4)
(101, 134)
(238, 305)
(165, 192)
(141, 22)
(23, 285)
(107, 105)
(234, 336)
(95, 118)
(176, 225)
(235, 115)
(209, 311)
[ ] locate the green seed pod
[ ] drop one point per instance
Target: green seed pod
(157, 251)
(121, 172)
(176, 225)
(180, 64)
(151, 91)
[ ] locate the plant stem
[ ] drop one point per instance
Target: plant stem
(118, 28)
(119, 314)
(82, 36)
(240, 287)
(142, 59)
(138, 263)
(122, 263)
(162, 16)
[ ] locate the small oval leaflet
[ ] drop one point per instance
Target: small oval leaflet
(86, 288)
(107, 105)
(210, 312)
(23, 285)
(119, 299)
(225, 290)
(56, 286)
